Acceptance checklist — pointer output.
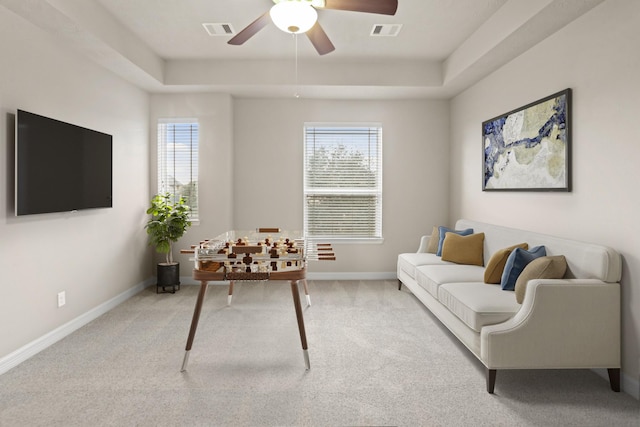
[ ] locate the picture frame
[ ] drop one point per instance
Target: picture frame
(529, 148)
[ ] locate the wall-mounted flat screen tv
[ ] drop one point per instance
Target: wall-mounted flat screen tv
(60, 167)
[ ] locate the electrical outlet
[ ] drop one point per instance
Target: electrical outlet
(62, 299)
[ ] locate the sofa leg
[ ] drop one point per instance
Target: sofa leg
(614, 378)
(491, 380)
(399, 285)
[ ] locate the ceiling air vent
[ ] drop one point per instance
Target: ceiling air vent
(219, 29)
(386, 30)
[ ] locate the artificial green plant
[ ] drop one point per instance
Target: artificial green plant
(169, 221)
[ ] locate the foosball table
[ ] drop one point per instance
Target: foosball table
(264, 254)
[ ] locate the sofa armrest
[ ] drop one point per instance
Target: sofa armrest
(566, 323)
(424, 242)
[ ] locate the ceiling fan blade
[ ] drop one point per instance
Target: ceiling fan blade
(250, 30)
(320, 40)
(383, 7)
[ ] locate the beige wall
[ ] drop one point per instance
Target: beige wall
(251, 169)
(597, 57)
(93, 255)
(268, 143)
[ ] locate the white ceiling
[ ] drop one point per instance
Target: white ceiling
(174, 30)
(443, 47)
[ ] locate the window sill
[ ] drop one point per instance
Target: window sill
(349, 240)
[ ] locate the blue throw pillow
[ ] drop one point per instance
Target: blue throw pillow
(517, 261)
(443, 230)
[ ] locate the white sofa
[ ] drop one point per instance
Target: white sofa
(567, 323)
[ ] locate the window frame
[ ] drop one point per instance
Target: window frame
(164, 168)
(377, 236)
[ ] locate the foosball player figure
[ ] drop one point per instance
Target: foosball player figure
(247, 261)
(273, 253)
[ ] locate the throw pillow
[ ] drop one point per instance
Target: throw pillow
(516, 262)
(546, 267)
(444, 230)
(432, 246)
(495, 266)
(463, 249)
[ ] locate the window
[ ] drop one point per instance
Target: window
(178, 160)
(343, 181)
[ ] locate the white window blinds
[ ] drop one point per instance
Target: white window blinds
(343, 181)
(178, 160)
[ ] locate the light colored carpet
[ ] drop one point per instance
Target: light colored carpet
(377, 358)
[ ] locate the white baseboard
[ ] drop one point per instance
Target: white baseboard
(353, 276)
(630, 386)
(31, 349)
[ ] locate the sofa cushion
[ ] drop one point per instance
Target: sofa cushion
(463, 249)
(442, 231)
(516, 262)
(409, 261)
(432, 246)
(495, 266)
(583, 259)
(430, 277)
(547, 267)
(478, 304)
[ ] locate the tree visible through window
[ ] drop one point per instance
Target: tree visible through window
(178, 160)
(343, 181)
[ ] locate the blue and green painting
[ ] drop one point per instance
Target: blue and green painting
(528, 149)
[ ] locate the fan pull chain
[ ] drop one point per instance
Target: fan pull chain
(297, 92)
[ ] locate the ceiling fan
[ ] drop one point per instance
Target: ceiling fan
(300, 16)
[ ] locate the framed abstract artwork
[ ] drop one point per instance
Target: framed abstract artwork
(529, 149)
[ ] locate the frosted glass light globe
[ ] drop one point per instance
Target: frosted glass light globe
(293, 16)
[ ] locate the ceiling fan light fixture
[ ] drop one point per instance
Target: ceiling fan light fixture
(293, 16)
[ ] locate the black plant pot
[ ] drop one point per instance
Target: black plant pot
(168, 277)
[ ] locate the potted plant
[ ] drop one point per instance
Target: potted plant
(169, 221)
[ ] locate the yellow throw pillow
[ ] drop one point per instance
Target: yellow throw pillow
(546, 267)
(495, 266)
(463, 249)
(432, 246)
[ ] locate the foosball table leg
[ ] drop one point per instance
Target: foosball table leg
(230, 296)
(194, 323)
(299, 316)
(306, 292)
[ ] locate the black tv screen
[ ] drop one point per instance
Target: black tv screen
(60, 167)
